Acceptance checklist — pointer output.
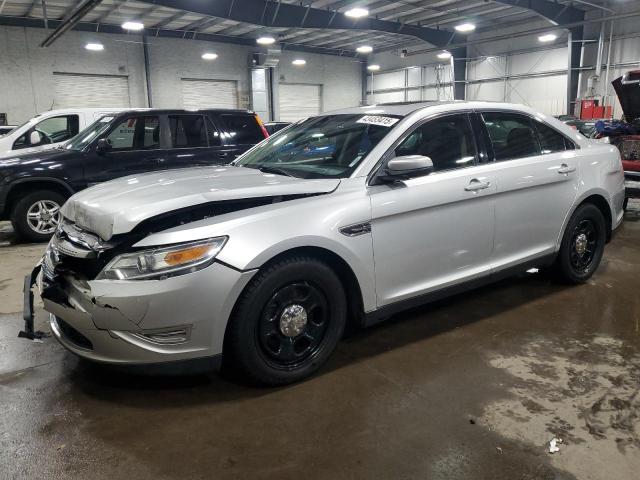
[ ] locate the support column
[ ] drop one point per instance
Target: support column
(459, 65)
(147, 74)
(574, 51)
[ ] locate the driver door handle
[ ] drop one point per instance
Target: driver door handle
(475, 185)
(566, 169)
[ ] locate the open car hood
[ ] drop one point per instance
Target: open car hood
(627, 89)
(119, 205)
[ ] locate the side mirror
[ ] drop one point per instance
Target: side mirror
(405, 167)
(103, 145)
(35, 138)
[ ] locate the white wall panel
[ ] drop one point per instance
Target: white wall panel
(78, 90)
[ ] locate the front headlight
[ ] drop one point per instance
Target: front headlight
(163, 262)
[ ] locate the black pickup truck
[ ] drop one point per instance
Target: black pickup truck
(34, 186)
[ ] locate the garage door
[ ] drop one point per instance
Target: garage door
(299, 101)
(197, 94)
(81, 90)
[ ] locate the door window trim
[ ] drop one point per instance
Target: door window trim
(386, 155)
(532, 118)
(181, 114)
(118, 122)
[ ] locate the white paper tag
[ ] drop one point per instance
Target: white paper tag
(378, 120)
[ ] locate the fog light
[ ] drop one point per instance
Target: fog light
(167, 337)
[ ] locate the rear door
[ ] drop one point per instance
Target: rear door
(535, 169)
(136, 146)
(195, 141)
(241, 131)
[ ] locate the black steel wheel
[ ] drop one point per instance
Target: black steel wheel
(293, 324)
(287, 322)
(582, 245)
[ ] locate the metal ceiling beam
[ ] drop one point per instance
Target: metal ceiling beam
(276, 14)
(556, 13)
(70, 20)
(170, 19)
(117, 4)
(158, 32)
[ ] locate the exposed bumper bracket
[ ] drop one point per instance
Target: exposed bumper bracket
(27, 309)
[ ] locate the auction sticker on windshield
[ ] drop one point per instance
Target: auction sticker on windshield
(378, 120)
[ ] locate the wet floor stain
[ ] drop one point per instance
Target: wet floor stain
(584, 391)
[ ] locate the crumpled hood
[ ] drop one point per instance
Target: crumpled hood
(118, 206)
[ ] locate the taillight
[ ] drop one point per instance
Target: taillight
(264, 130)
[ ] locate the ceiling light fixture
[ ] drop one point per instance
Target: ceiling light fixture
(133, 26)
(549, 37)
(299, 61)
(357, 12)
(209, 56)
(266, 40)
(373, 68)
(364, 49)
(465, 27)
(96, 47)
(444, 55)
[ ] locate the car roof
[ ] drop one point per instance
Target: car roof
(406, 108)
(186, 110)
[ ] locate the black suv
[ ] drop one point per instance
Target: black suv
(34, 186)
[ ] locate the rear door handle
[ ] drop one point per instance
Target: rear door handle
(475, 185)
(566, 169)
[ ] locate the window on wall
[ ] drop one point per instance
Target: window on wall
(447, 141)
(512, 135)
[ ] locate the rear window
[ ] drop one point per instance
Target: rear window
(243, 128)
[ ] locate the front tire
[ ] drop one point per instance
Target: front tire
(287, 322)
(582, 245)
(36, 215)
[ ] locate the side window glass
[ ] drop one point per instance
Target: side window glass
(188, 131)
(243, 128)
(550, 140)
(58, 129)
(22, 141)
(214, 134)
(512, 135)
(151, 134)
(448, 141)
(122, 137)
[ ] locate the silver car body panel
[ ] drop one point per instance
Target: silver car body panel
(416, 237)
(117, 206)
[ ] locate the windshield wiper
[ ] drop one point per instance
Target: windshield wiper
(276, 170)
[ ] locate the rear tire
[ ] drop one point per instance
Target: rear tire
(287, 322)
(36, 215)
(582, 245)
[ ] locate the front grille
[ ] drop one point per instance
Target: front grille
(73, 335)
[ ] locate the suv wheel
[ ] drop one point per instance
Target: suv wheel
(36, 215)
(287, 322)
(582, 245)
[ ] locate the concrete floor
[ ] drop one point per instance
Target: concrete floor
(472, 387)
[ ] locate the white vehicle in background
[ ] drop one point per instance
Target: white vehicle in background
(49, 129)
(4, 129)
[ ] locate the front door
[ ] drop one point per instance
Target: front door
(135, 147)
(435, 230)
(536, 173)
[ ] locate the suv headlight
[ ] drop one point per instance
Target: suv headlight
(163, 262)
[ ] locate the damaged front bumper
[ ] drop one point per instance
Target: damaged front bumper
(141, 321)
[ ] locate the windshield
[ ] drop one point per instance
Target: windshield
(82, 139)
(331, 146)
